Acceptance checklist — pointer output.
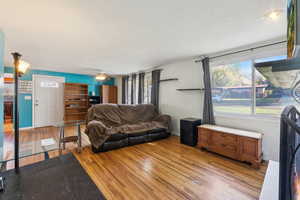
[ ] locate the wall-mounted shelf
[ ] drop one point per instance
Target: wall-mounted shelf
(191, 89)
(169, 79)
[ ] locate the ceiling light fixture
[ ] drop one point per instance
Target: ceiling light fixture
(274, 15)
(101, 77)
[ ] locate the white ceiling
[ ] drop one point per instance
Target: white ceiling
(120, 36)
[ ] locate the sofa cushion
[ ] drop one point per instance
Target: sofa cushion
(135, 128)
(108, 114)
(132, 114)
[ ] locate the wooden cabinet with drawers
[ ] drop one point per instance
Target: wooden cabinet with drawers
(233, 143)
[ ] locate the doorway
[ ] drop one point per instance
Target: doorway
(47, 100)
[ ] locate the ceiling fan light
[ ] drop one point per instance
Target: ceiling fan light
(101, 77)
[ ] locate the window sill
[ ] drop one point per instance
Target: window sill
(271, 118)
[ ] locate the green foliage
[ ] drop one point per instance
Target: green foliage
(228, 76)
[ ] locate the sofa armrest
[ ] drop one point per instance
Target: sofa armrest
(97, 133)
(95, 124)
(165, 120)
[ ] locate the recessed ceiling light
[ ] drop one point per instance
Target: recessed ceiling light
(273, 15)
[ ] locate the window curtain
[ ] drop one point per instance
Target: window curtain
(155, 88)
(208, 112)
(141, 88)
(133, 88)
(124, 89)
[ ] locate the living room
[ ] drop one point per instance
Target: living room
(149, 100)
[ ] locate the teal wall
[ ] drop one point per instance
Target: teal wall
(25, 106)
(1, 90)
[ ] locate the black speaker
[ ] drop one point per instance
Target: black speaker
(188, 131)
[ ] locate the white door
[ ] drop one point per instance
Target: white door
(48, 103)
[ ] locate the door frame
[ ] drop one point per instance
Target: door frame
(34, 77)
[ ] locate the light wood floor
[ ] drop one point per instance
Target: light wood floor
(167, 169)
(163, 169)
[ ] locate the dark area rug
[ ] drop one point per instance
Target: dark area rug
(60, 178)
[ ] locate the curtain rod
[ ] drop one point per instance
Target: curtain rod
(244, 50)
(142, 71)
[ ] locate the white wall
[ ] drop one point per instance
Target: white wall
(190, 104)
(181, 104)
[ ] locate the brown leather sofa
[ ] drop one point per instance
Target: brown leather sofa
(112, 126)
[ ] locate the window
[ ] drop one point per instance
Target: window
(232, 87)
(147, 88)
(128, 99)
(240, 88)
(135, 91)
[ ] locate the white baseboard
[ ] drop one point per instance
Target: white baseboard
(175, 133)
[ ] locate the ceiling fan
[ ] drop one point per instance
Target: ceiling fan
(100, 74)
